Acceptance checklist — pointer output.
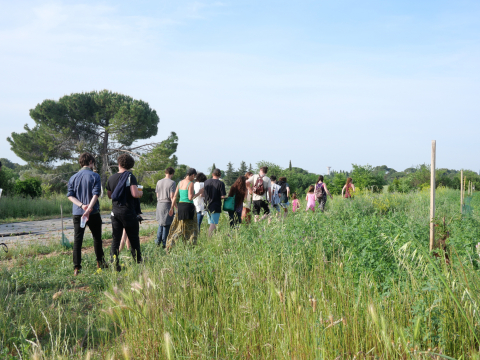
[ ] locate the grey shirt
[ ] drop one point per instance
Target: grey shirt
(165, 190)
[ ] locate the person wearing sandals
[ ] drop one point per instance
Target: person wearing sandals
(321, 192)
(185, 223)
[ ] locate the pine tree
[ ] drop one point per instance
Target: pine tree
(242, 169)
(230, 175)
(290, 165)
(250, 168)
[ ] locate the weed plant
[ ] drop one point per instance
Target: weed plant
(355, 282)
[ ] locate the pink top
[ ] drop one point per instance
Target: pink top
(311, 201)
(295, 205)
(348, 191)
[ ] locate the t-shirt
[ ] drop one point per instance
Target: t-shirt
(165, 189)
(214, 190)
(129, 207)
(199, 200)
(275, 196)
(266, 186)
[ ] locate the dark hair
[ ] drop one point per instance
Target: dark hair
(294, 196)
(264, 169)
(320, 178)
(349, 181)
(201, 177)
(273, 177)
(239, 189)
(191, 172)
(311, 188)
(84, 159)
(169, 170)
(217, 172)
(283, 178)
(126, 161)
(248, 173)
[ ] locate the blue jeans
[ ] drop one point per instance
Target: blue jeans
(162, 235)
(199, 219)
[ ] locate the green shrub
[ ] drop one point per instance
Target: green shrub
(29, 187)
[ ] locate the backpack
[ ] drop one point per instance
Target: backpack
(283, 187)
(319, 191)
(258, 187)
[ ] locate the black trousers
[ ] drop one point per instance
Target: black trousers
(94, 223)
(132, 228)
(235, 218)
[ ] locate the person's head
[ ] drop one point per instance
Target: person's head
(126, 161)
(200, 177)
(273, 178)
(349, 180)
(240, 186)
(191, 173)
(320, 178)
(170, 171)
(311, 189)
(263, 170)
(248, 174)
(283, 178)
(86, 159)
(294, 196)
(216, 173)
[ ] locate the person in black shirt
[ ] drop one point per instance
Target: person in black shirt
(214, 192)
(122, 189)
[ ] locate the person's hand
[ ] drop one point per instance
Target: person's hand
(84, 207)
(170, 213)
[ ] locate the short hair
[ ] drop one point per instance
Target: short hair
(85, 159)
(191, 172)
(264, 169)
(201, 177)
(283, 178)
(217, 172)
(320, 178)
(126, 161)
(169, 170)
(248, 173)
(273, 177)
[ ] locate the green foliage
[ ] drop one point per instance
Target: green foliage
(230, 175)
(29, 187)
(7, 181)
(365, 178)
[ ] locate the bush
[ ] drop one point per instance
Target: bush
(7, 181)
(29, 187)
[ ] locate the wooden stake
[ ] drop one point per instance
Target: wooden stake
(432, 196)
(61, 216)
(461, 191)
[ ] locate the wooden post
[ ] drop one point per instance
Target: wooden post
(461, 191)
(432, 196)
(61, 216)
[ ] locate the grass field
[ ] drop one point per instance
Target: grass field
(355, 282)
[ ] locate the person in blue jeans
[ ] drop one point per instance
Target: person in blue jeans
(165, 190)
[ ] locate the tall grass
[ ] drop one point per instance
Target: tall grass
(355, 282)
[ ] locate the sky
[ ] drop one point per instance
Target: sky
(320, 83)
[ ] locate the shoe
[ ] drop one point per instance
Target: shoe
(76, 272)
(102, 265)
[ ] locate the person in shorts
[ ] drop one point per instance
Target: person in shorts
(284, 194)
(261, 186)
(214, 192)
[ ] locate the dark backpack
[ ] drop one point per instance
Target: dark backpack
(283, 187)
(319, 191)
(258, 187)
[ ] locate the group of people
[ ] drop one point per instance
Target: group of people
(197, 196)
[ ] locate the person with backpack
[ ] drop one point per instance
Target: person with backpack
(261, 186)
(321, 192)
(247, 204)
(284, 194)
(275, 200)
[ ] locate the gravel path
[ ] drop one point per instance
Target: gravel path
(45, 232)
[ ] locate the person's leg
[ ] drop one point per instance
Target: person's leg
(257, 206)
(213, 221)
(266, 210)
(158, 241)
(231, 215)
(132, 228)
(238, 217)
(199, 219)
(77, 242)
(117, 232)
(95, 225)
(123, 241)
(166, 231)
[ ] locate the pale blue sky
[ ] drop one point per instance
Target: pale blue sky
(316, 82)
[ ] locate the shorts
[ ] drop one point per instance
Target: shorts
(213, 218)
(260, 204)
(285, 205)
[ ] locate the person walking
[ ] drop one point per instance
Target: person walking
(199, 201)
(165, 191)
(275, 200)
(138, 210)
(246, 216)
(122, 189)
(348, 189)
(261, 186)
(310, 198)
(84, 188)
(321, 192)
(295, 202)
(284, 194)
(214, 192)
(185, 221)
(239, 190)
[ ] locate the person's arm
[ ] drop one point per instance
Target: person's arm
(77, 202)
(92, 203)
(134, 191)
(306, 197)
(224, 193)
(174, 199)
(343, 189)
(288, 192)
(270, 193)
(191, 192)
(353, 188)
(326, 190)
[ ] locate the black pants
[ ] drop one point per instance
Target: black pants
(258, 205)
(235, 218)
(132, 228)
(94, 223)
